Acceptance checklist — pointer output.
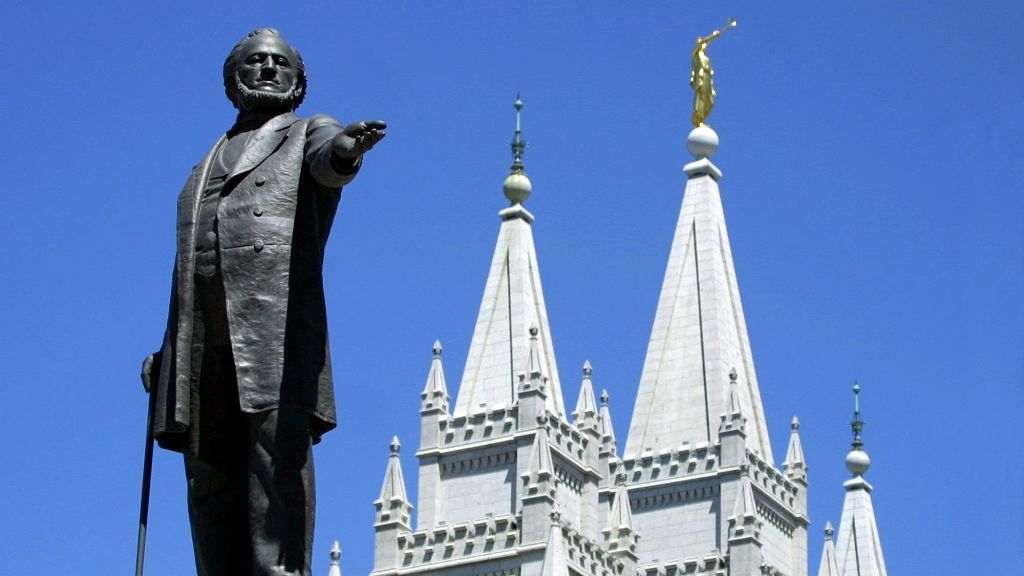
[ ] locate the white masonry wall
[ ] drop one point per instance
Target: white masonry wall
(567, 494)
(776, 538)
(477, 484)
(675, 524)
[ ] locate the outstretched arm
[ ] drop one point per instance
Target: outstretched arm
(334, 152)
(709, 38)
(358, 138)
(714, 35)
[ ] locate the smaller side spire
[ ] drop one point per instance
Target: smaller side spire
(605, 422)
(393, 503)
(532, 390)
(434, 405)
(585, 415)
(733, 408)
(541, 467)
(335, 569)
(732, 430)
(536, 370)
(795, 466)
(745, 554)
(744, 510)
(539, 488)
(622, 513)
(393, 516)
(556, 562)
(732, 418)
(828, 565)
(620, 536)
(435, 391)
(517, 186)
(607, 450)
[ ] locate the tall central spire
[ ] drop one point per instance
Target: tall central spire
(513, 301)
(699, 334)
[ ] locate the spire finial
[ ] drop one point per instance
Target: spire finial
(857, 461)
(335, 553)
(604, 397)
(829, 530)
(587, 369)
(517, 186)
(395, 445)
(437, 348)
(857, 424)
(555, 514)
(518, 144)
(795, 424)
(335, 569)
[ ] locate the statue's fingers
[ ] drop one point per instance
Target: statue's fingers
(354, 129)
(365, 142)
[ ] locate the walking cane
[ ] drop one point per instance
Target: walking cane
(152, 362)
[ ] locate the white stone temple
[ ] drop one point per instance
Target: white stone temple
(510, 484)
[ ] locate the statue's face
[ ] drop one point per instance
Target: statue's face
(267, 64)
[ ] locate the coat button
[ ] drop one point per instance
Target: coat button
(257, 211)
(261, 180)
(258, 245)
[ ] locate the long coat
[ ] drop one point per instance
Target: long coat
(273, 226)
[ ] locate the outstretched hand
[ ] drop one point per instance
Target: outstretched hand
(358, 138)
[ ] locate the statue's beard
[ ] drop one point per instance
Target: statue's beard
(249, 100)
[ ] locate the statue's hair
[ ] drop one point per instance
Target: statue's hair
(229, 68)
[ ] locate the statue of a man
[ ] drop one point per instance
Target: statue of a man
(702, 76)
(243, 378)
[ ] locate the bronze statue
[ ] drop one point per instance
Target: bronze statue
(242, 382)
(702, 76)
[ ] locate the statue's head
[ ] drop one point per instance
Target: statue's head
(263, 73)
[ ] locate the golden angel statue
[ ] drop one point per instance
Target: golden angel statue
(701, 76)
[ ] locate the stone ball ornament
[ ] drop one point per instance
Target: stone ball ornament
(702, 142)
(517, 188)
(858, 462)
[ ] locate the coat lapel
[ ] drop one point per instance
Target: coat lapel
(202, 173)
(263, 143)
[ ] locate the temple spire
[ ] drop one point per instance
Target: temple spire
(513, 302)
(858, 546)
(394, 513)
(541, 467)
(699, 333)
(795, 452)
(556, 561)
(585, 414)
(621, 518)
(393, 488)
(435, 391)
(828, 565)
(605, 421)
(619, 534)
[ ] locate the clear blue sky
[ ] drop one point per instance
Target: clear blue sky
(872, 189)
